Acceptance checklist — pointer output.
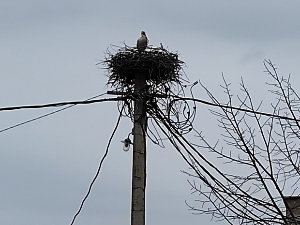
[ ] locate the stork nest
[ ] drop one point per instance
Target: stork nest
(158, 65)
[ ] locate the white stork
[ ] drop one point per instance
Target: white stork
(142, 42)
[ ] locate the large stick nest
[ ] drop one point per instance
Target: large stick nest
(158, 65)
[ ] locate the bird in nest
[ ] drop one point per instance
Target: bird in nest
(142, 42)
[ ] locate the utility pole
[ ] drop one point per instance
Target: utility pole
(126, 68)
(139, 150)
(139, 153)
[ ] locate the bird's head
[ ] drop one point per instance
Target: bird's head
(143, 33)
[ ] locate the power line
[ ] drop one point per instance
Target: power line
(231, 107)
(99, 167)
(51, 113)
(59, 104)
(90, 101)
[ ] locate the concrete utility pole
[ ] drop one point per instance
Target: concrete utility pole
(139, 154)
(156, 67)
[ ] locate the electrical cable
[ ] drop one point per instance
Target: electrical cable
(232, 107)
(59, 104)
(99, 167)
(53, 112)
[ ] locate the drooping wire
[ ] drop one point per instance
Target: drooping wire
(47, 114)
(99, 168)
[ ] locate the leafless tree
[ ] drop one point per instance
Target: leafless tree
(256, 162)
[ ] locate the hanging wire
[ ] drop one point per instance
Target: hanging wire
(99, 168)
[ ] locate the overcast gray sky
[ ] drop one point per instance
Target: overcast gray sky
(48, 53)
